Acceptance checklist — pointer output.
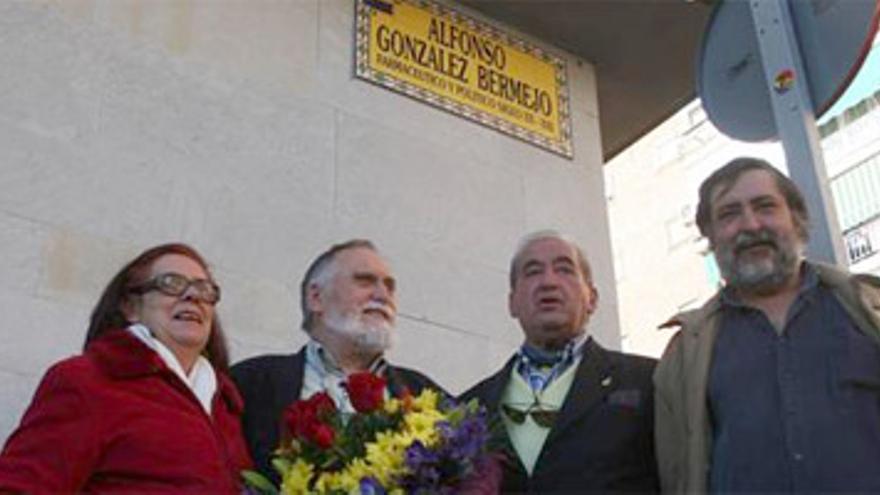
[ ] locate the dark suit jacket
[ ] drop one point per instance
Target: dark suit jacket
(268, 384)
(603, 440)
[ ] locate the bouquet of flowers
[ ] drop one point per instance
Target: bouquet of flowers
(401, 445)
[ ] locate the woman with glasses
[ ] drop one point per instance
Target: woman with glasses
(147, 407)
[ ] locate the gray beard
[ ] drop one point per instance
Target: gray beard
(761, 275)
(365, 339)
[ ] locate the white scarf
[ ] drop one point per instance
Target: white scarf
(201, 380)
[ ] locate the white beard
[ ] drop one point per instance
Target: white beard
(367, 339)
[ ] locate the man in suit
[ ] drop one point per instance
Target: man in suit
(575, 418)
(349, 307)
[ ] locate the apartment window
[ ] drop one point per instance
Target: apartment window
(696, 116)
(858, 245)
(857, 111)
(857, 193)
(680, 228)
(829, 128)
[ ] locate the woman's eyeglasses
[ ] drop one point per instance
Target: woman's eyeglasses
(540, 415)
(175, 284)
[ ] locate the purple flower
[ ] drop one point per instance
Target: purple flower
(417, 454)
(468, 439)
(422, 464)
(371, 486)
(458, 456)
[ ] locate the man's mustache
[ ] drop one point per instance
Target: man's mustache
(385, 309)
(750, 239)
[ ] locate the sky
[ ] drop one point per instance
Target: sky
(866, 82)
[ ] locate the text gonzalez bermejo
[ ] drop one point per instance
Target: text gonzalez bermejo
(463, 48)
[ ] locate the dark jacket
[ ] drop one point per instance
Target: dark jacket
(270, 383)
(117, 420)
(602, 441)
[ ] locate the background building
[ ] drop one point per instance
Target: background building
(663, 266)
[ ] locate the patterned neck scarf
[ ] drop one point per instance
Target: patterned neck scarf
(540, 367)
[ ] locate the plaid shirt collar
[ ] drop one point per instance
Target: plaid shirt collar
(324, 364)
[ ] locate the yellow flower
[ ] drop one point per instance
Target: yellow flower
(422, 425)
(392, 405)
(338, 481)
(427, 400)
(385, 456)
(359, 469)
(325, 482)
(296, 480)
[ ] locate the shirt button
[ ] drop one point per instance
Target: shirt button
(798, 457)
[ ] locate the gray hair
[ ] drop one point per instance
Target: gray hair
(541, 235)
(320, 272)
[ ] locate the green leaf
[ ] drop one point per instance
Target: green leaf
(456, 415)
(258, 481)
(281, 465)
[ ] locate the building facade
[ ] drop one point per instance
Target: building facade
(663, 265)
(239, 127)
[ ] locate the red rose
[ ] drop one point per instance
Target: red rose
(296, 416)
(323, 404)
(307, 419)
(366, 391)
(323, 436)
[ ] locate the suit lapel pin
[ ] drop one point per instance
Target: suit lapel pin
(606, 381)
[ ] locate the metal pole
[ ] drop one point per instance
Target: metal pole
(796, 123)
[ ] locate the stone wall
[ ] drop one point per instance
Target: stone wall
(238, 126)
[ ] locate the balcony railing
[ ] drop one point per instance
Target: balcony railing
(862, 241)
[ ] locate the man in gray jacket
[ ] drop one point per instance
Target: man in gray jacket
(774, 384)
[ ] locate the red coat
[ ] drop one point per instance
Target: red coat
(117, 419)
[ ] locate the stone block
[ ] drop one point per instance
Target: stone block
(453, 359)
